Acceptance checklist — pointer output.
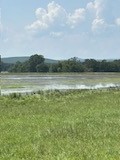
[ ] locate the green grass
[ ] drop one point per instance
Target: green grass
(72, 125)
(13, 86)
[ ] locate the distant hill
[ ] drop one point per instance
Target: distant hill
(13, 60)
(50, 61)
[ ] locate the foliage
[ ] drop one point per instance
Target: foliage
(42, 68)
(72, 65)
(5, 66)
(20, 67)
(36, 63)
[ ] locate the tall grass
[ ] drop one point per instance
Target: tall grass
(73, 125)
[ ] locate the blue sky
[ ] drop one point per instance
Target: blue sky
(60, 29)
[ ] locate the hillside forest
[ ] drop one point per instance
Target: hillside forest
(36, 63)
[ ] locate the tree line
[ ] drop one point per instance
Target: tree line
(36, 63)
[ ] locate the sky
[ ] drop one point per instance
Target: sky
(60, 29)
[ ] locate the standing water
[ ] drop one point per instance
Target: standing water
(22, 83)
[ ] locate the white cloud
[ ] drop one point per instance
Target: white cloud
(96, 6)
(98, 24)
(37, 25)
(57, 19)
(56, 34)
(117, 21)
(56, 15)
(77, 17)
(46, 18)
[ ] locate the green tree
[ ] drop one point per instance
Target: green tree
(34, 61)
(42, 68)
(16, 67)
(72, 65)
(91, 65)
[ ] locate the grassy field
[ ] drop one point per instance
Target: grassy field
(72, 125)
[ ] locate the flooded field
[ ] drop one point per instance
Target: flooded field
(23, 83)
